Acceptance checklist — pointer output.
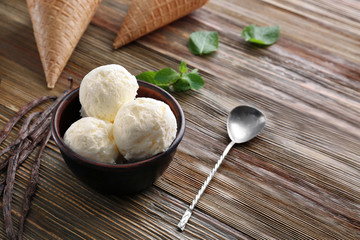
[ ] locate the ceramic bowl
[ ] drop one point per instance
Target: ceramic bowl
(124, 178)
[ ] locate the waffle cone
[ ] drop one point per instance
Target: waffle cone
(58, 26)
(144, 17)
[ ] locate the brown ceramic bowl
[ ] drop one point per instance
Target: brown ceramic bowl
(123, 178)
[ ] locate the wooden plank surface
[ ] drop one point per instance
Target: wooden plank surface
(298, 180)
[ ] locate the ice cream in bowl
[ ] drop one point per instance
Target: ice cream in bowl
(119, 149)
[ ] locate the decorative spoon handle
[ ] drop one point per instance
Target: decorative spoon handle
(185, 218)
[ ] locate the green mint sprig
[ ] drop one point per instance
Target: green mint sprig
(203, 42)
(169, 79)
(261, 35)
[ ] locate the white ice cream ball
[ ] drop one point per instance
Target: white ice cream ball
(105, 89)
(92, 138)
(143, 128)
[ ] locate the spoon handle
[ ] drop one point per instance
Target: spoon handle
(185, 218)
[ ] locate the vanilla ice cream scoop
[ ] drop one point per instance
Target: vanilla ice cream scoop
(105, 89)
(143, 128)
(92, 138)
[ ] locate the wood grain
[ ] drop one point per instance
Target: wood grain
(298, 180)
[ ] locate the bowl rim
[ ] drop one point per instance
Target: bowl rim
(55, 131)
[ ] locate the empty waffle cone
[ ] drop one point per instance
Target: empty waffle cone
(144, 17)
(58, 26)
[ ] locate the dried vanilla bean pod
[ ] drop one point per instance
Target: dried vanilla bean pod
(26, 108)
(26, 150)
(39, 126)
(23, 133)
(30, 190)
(28, 142)
(33, 126)
(24, 130)
(2, 185)
(30, 105)
(3, 165)
(10, 178)
(8, 192)
(35, 133)
(36, 139)
(13, 164)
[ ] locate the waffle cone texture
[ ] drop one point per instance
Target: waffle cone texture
(58, 26)
(145, 16)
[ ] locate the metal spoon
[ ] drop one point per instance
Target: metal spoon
(243, 124)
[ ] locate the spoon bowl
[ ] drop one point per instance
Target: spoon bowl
(244, 123)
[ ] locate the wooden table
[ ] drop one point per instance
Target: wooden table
(300, 179)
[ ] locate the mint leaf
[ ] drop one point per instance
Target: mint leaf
(196, 82)
(168, 78)
(147, 77)
(203, 42)
(181, 85)
(166, 75)
(195, 70)
(182, 67)
(261, 35)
